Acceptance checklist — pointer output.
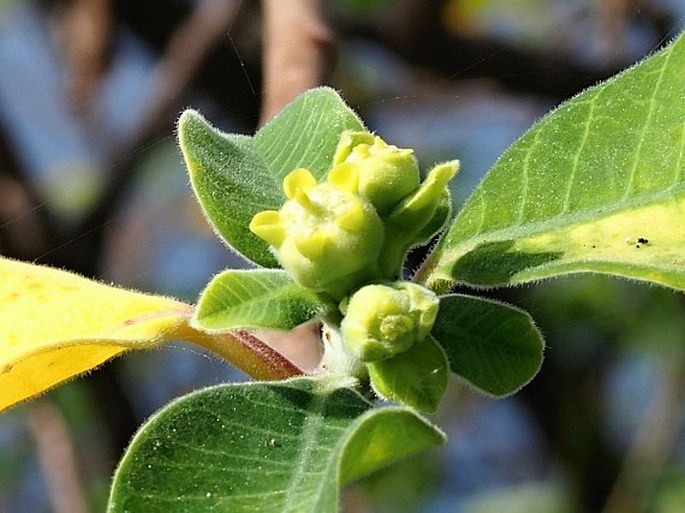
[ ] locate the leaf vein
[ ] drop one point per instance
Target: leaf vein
(579, 151)
(648, 120)
(523, 199)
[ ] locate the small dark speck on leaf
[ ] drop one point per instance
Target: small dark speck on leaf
(642, 240)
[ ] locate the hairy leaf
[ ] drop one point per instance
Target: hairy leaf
(256, 299)
(282, 447)
(55, 325)
(493, 346)
(417, 377)
(596, 186)
(235, 177)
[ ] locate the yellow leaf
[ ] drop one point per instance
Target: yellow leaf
(55, 325)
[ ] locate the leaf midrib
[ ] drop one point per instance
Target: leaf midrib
(311, 428)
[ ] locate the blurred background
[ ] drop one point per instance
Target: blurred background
(91, 180)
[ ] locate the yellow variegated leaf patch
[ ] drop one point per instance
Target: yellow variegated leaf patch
(55, 325)
(596, 186)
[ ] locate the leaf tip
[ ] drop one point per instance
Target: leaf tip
(190, 122)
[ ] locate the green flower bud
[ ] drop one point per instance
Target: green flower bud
(383, 174)
(418, 208)
(405, 224)
(381, 321)
(328, 239)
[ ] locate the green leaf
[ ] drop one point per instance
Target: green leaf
(417, 377)
(276, 447)
(306, 133)
(256, 299)
(235, 177)
(582, 188)
(493, 346)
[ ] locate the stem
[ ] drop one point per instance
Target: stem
(336, 361)
(423, 272)
(279, 364)
(247, 352)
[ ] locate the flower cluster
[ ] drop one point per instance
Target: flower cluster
(357, 225)
(346, 237)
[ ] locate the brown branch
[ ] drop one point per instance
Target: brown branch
(185, 53)
(79, 248)
(26, 227)
(57, 458)
(612, 18)
(298, 51)
(84, 30)
(21, 231)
